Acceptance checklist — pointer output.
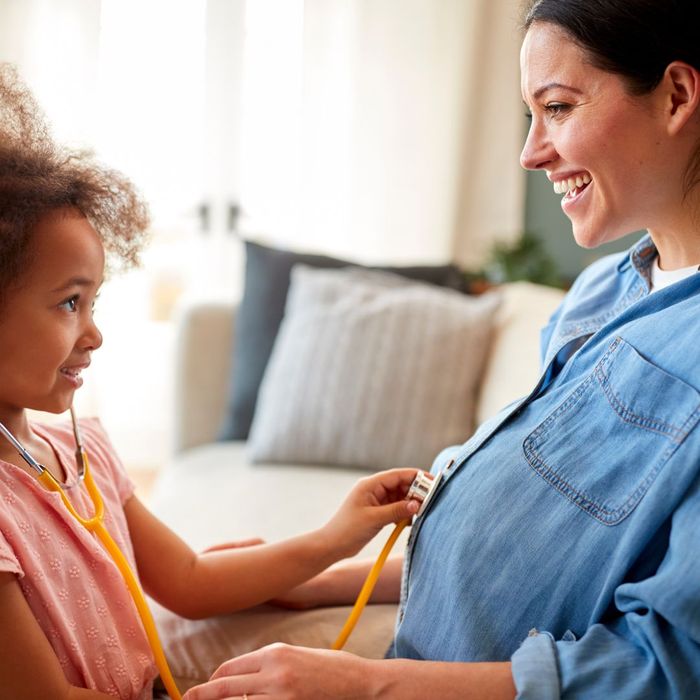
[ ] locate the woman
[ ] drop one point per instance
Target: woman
(560, 556)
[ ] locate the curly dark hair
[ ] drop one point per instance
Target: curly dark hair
(38, 175)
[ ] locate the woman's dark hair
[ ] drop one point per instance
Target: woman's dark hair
(38, 176)
(636, 39)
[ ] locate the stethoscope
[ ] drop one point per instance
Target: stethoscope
(95, 524)
(422, 489)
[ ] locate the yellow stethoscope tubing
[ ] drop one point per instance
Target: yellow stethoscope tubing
(95, 524)
(368, 587)
(423, 488)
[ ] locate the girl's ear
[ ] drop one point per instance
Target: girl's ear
(682, 87)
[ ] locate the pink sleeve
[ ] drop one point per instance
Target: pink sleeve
(8, 561)
(97, 443)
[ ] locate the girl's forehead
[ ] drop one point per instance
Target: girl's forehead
(63, 245)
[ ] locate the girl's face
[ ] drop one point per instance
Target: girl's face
(47, 331)
(602, 148)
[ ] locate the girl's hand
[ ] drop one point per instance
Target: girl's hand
(282, 672)
(374, 502)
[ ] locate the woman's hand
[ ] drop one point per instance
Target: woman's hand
(282, 672)
(374, 502)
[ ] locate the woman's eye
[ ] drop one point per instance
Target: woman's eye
(556, 108)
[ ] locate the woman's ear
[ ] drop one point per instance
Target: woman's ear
(682, 87)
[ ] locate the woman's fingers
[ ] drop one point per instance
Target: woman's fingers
(232, 686)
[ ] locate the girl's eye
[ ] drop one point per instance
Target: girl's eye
(70, 304)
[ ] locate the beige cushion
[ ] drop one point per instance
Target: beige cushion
(196, 648)
(513, 365)
(370, 370)
(211, 494)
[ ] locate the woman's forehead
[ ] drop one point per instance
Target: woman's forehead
(550, 57)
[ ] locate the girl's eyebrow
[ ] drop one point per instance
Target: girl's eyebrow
(74, 282)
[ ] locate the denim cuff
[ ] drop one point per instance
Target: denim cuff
(534, 668)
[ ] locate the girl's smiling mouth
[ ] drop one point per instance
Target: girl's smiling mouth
(72, 374)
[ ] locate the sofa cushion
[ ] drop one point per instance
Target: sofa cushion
(196, 648)
(267, 272)
(212, 494)
(370, 370)
(514, 364)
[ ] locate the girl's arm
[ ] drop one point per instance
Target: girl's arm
(281, 672)
(200, 585)
(340, 585)
(29, 668)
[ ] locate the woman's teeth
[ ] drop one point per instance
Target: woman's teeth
(71, 372)
(570, 184)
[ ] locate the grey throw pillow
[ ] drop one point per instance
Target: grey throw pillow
(260, 313)
(370, 370)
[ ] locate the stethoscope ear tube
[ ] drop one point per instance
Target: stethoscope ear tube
(22, 452)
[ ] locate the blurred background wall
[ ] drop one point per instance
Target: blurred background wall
(379, 130)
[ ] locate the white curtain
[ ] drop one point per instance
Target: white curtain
(382, 129)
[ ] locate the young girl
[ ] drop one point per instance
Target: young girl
(69, 626)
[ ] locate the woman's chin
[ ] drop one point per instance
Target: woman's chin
(588, 238)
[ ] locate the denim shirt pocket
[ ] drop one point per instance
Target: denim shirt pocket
(604, 445)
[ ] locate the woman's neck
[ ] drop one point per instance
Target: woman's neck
(677, 250)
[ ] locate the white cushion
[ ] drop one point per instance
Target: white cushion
(370, 370)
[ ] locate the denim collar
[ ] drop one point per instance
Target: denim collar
(640, 257)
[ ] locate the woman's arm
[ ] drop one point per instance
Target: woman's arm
(221, 581)
(29, 668)
(341, 583)
(284, 672)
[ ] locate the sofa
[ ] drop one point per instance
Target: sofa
(211, 491)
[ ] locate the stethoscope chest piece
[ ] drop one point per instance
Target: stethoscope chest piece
(423, 489)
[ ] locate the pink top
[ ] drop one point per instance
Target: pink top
(74, 590)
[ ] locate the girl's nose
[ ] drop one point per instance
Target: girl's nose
(538, 150)
(92, 338)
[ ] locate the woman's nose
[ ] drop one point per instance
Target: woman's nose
(538, 150)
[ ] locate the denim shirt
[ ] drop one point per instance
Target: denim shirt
(565, 534)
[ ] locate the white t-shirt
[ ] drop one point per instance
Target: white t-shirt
(663, 278)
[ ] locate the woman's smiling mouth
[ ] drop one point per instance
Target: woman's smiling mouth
(571, 184)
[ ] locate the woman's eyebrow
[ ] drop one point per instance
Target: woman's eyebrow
(552, 86)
